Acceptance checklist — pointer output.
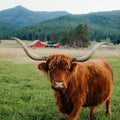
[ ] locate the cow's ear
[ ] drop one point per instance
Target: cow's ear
(74, 65)
(43, 67)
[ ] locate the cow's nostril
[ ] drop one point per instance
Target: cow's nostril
(59, 84)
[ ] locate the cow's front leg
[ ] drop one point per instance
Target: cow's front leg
(91, 114)
(74, 113)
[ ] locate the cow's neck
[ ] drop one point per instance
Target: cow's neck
(64, 102)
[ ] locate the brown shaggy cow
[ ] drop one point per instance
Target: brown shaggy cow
(77, 84)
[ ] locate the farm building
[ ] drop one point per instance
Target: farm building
(53, 46)
(37, 43)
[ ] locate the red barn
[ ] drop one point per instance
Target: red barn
(37, 43)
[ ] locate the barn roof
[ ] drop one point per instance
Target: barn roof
(37, 43)
(34, 42)
(54, 44)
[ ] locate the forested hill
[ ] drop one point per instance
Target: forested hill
(6, 27)
(23, 17)
(93, 20)
(101, 25)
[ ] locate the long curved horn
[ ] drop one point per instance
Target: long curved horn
(28, 52)
(89, 55)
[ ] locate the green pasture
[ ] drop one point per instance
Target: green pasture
(25, 94)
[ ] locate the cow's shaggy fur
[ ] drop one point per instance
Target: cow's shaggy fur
(87, 84)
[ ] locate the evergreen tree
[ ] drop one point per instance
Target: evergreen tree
(70, 36)
(81, 36)
(54, 37)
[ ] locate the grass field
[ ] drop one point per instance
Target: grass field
(25, 93)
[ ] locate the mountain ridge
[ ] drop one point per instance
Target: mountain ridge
(101, 25)
(22, 16)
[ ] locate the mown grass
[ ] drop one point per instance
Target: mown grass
(25, 94)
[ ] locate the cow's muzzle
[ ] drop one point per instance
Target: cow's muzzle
(58, 85)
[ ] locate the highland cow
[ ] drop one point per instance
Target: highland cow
(77, 82)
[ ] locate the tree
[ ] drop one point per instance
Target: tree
(70, 36)
(63, 37)
(81, 36)
(42, 36)
(54, 37)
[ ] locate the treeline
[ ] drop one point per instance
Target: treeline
(100, 33)
(78, 36)
(101, 26)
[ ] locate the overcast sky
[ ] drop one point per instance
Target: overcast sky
(71, 6)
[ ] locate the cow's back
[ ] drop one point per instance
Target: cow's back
(99, 82)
